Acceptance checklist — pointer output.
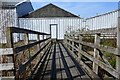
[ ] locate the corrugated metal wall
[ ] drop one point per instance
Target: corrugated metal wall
(43, 24)
(8, 17)
(108, 20)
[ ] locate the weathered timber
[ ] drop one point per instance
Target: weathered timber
(6, 51)
(21, 30)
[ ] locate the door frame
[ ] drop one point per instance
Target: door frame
(56, 30)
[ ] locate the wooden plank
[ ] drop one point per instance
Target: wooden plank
(49, 68)
(21, 30)
(8, 78)
(70, 63)
(102, 47)
(85, 67)
(72, 67)
(104, 30)
(118, 45)
(44, 72)
(6, 66)
(96, 53)
(6, 51)
(41, 66)
(22, 48)
(63, 73)
(53, 71)
(25, 64)
(69, 76)
(78, 71)
(58, 63)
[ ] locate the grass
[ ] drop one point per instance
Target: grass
(106, 42)
(110, 57)
(109, 42)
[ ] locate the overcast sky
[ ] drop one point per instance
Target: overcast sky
(84, 9)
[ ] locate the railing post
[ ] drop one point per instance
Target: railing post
(9, 38)
(68, 42)
(44, 41)
(26, 39)
(118, 47)
(38, 39)
(96, 42)
(65, 40)
(80, 47)
(73, 37)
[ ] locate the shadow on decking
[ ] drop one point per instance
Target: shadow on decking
(59, 64)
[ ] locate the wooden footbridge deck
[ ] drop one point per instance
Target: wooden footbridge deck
(59, 64)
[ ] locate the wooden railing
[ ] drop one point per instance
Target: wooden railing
(21, 58)
(95, 56)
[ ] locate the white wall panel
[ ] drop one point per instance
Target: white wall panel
(8, 18)
(43, 24)
(107, 20)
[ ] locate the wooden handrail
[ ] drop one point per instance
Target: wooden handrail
(73, 39)
(22, 66)
(21, 30)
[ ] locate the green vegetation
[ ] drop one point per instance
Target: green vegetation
(106, 42)
(109, 42)
(110, 57)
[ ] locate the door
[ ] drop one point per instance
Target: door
(53, 31)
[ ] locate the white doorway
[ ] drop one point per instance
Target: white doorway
(53, 31)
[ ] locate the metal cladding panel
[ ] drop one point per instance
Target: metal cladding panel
(108, 20)
(8, 18)
(24, 8)
(43, 25)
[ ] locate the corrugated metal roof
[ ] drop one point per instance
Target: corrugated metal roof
(50, 10)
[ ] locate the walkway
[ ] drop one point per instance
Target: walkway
(57, 63)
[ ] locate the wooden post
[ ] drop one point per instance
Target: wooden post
(118, 47)
(43, 37)
(80, 47)
(44, 41)
(9, 38)
(38, 39)
(65, 42)
(96, 42)
(73, 37)
(26, 39)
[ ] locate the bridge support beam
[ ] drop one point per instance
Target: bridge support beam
(118, 47)
(96, 54)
